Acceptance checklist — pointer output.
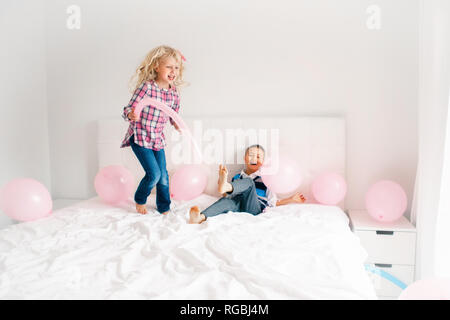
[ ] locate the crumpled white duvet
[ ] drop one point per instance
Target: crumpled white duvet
(95, 251)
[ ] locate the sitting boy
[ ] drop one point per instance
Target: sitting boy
(245, 193)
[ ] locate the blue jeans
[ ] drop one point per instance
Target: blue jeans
(243, 198)
(154, 164)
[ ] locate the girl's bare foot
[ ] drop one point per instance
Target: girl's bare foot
(224, 185)
(195, 216)
(141, 208)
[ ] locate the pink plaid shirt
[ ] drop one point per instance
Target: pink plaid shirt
(148, 130)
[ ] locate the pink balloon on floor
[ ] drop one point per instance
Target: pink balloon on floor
(427, 289)
(114, 184)
(329, 188)
(283, 176)
(386, 201)
(188, 182)
(26, 199)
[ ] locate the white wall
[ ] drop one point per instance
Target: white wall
(442, 266)
(433, 114)
(23, 122)
(243, 57)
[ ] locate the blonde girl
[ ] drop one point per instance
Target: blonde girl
(158, 77)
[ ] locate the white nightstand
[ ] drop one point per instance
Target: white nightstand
(391, 248)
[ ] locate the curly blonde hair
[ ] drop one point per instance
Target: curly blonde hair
(146, 70)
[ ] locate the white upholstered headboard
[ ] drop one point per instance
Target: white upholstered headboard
(316, 143)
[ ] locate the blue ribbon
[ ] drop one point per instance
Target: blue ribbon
(385, 275)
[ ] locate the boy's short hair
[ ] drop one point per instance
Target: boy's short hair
(258, 146)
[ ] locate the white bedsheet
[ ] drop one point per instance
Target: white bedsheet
(94, 251)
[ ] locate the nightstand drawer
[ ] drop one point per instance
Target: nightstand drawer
(388, 247)
(386, 288)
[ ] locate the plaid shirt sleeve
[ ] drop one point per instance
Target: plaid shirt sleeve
(139, 93)
(148, 130)
(176, 106)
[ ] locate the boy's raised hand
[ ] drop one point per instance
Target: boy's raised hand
(298, 198)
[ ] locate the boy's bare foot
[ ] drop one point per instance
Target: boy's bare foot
(166, 212)
(141, 208)
(195, 216)
(224, 185)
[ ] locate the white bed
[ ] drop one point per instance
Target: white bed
(94, 251)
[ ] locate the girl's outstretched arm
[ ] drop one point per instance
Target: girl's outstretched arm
(177, 109)
(139, 93)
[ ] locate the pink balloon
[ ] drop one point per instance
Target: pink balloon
(188, 182)
(26, 199)
(386, 201)
(114, 184)
(329, 188)
(427, 289)
(282, 176)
